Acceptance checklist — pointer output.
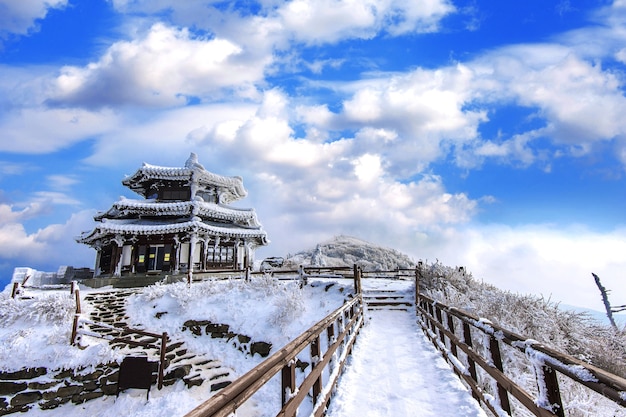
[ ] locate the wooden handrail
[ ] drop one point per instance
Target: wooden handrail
(233, 396)
(545, 360)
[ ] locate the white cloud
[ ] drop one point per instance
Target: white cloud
(19, 17)
(41, 130)
(423, 110)
(165, 67)
(8, 215)
(46, 248)
(534, 259)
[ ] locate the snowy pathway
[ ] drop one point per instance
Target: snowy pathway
(395, 371)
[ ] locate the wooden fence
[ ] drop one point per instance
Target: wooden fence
(454, 331)
(339, 328)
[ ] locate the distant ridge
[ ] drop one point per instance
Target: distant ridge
(347, 251)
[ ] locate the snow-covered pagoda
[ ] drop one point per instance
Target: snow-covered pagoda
(183, 224)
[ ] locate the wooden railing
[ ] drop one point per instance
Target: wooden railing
(454, 331)
(339, 329)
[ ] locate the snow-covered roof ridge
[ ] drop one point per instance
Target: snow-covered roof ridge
(145, 227)
(192, 171)
(179, 208)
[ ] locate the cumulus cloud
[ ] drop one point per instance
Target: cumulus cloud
(306, 21)
(534, 259)
(165, 67)
(46, 248)
(580, 101)
(20, 17)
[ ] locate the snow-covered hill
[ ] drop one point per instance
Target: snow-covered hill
(347, 251)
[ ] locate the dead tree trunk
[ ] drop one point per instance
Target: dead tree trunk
(605, 300)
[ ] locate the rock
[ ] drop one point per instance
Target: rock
(7, 388)
(243, 339)
(25, 398)
(301, 365)
(54, 403)
(30, 373)
(262, 348)
(86, 396)
(193, 382)
(218, 386)
(42, 385)
(63, 392)
(178, 373)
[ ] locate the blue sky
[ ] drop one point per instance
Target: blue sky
(485, 134)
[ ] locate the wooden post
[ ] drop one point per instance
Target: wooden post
(467, 339)
(16, 289)
(162, 360)
(77, 298)
(74, 329)
(451, 329)
(288, 377)
(553, 393)
(418, 276)
(442, 337)
(316, 357)
(496, 358)
(357, 279)
(330, 335)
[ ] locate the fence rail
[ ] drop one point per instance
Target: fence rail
(440, 322)
(340, 329)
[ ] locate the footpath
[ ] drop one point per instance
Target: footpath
(395, 371)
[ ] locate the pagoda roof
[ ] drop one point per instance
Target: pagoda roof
(128, 207)
(109, 227)
(231, 188)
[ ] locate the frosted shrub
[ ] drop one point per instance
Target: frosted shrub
(49, 309)
(536, 318)
(289, 306)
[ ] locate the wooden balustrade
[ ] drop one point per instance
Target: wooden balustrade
(439, 322)
(344, 322)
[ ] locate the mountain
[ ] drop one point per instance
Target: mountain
(347, 251)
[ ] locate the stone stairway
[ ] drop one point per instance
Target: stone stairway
(109, 315)
(388, 300)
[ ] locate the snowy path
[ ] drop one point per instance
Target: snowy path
(395, 371)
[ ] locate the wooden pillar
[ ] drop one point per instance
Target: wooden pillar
(192, 249)
(176, 255)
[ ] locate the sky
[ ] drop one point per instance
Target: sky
(481, 134)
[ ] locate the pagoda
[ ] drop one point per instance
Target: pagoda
(182, 225)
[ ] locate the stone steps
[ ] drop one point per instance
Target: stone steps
(181, 364)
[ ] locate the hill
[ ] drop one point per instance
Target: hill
(347, 251)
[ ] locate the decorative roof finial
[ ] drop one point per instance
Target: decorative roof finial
(192, 162)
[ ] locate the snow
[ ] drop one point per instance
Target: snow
(382, 379)
(394, 371)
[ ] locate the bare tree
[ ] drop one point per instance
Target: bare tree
(605, 299)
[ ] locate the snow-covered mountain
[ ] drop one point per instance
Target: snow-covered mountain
(347, 251)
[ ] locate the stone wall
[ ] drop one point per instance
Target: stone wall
(22, 390)
(222, 331)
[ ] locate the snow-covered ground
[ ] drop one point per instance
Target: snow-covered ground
(405, 375)
(395, 371)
